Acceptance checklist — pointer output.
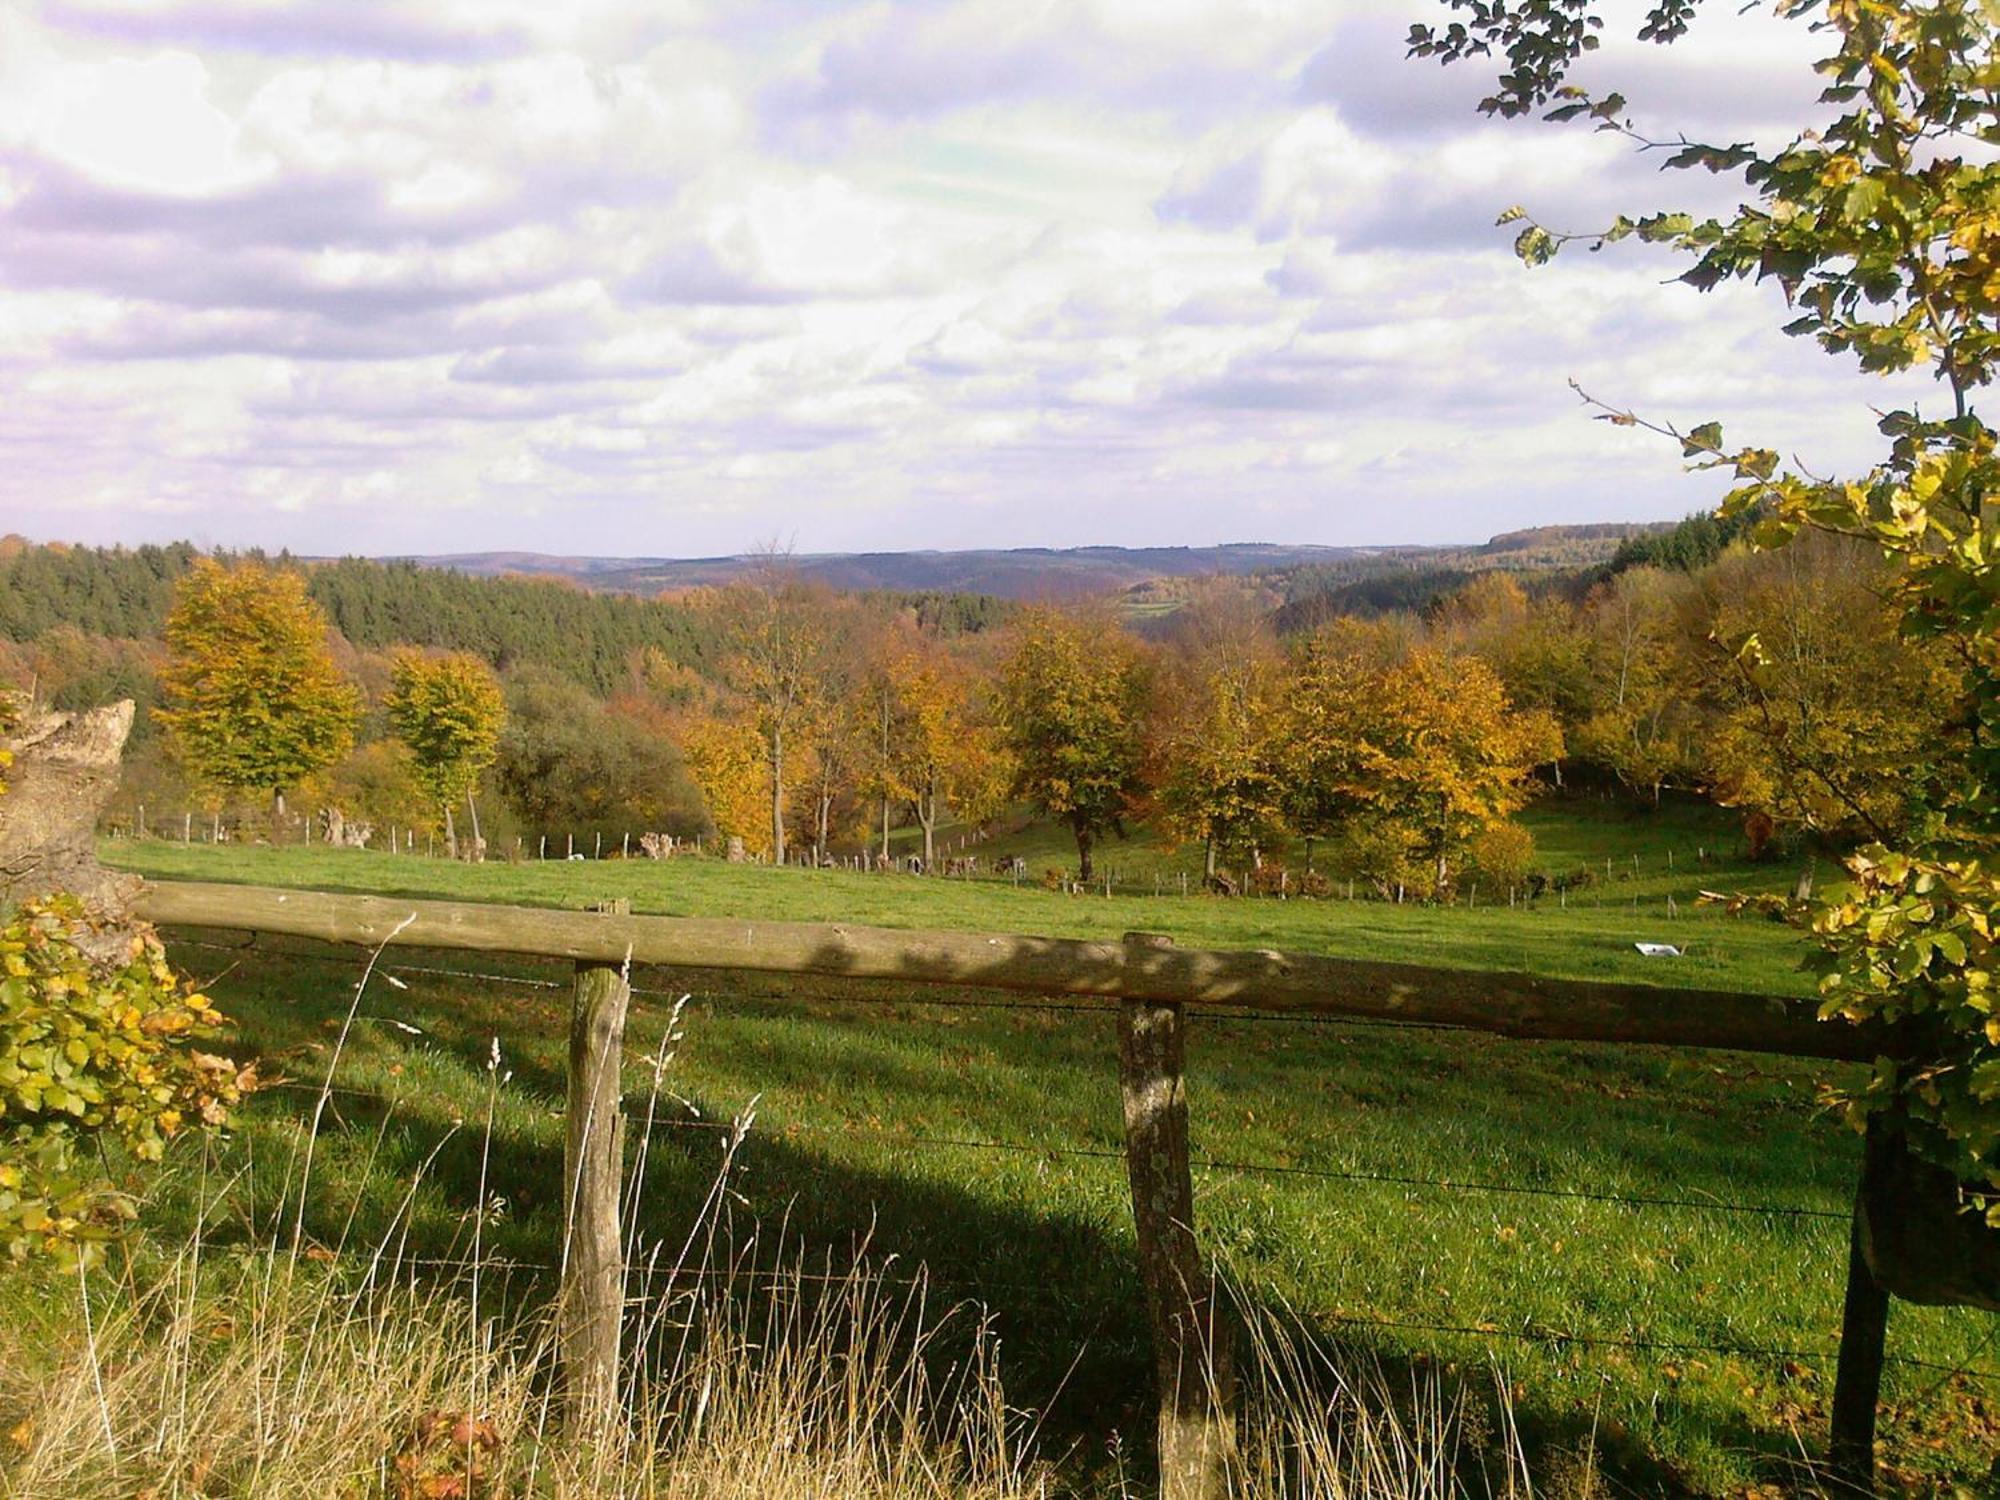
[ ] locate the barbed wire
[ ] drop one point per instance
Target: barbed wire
(1030, 1148)
(1211, 1014)
(1217, 1164)
(1278, 1169)
(862, 1278)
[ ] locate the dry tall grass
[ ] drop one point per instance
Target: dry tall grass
(241, 1378)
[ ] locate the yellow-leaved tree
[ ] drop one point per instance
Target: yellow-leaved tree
(448, 711)
(254, 699)
(775, 627)
(1074, 693)
(942, 757)
(1221, 774)
(1448, 756)
(1329, 698)
(1825, 716)
(727, 759)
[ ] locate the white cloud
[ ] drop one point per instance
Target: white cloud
(650, 277)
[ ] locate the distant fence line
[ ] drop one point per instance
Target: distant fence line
(1540, 890)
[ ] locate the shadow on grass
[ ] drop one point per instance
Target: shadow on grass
(1061, 1286)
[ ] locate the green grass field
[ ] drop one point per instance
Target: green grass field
(1587, 934)
(983, 1142)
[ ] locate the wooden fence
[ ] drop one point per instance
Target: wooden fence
(1155, 983)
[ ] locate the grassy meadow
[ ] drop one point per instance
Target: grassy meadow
(1638, 864)
(1426, 1202)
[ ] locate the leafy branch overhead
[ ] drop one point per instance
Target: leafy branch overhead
(1882, 228)
(93, 1058)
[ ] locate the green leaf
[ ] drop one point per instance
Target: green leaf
(1704, 441)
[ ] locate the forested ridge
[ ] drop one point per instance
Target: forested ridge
(699, 713)
(125, 593)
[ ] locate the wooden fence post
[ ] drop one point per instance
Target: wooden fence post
(592, 1298)
(1193, 1354)
(1864, 1326)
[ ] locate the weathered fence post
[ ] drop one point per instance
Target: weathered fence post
(1864, 1328)
(1857, 1385)
(1193, 1355)
(592, 1298)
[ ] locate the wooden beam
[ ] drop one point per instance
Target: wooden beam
(1517, 1005)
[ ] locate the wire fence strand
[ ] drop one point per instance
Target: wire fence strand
(1045, 1150)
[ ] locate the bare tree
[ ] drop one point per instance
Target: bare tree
(776, 627)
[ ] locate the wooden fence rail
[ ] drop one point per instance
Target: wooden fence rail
(1516, 1005)
(1157, 983)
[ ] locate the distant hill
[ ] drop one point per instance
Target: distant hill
(1013, 573)
(1568, 546)
(1048, 572)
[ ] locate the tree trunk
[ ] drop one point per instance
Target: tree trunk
(277, 815)
(883, 702)
(778, 798)
(65, 770)
(473, 808)
(1208, 860)
(1082, 850)
(450, 834)
(927, 815)
(820, 827)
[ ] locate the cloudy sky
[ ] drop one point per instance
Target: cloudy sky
(672, 276)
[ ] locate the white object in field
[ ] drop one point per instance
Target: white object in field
(1658, 950)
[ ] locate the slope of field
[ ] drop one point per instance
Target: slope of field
(1636, 865)
(1648, 1247)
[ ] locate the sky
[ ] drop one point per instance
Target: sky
(677, 277)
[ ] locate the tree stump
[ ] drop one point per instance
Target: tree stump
(65, 769)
